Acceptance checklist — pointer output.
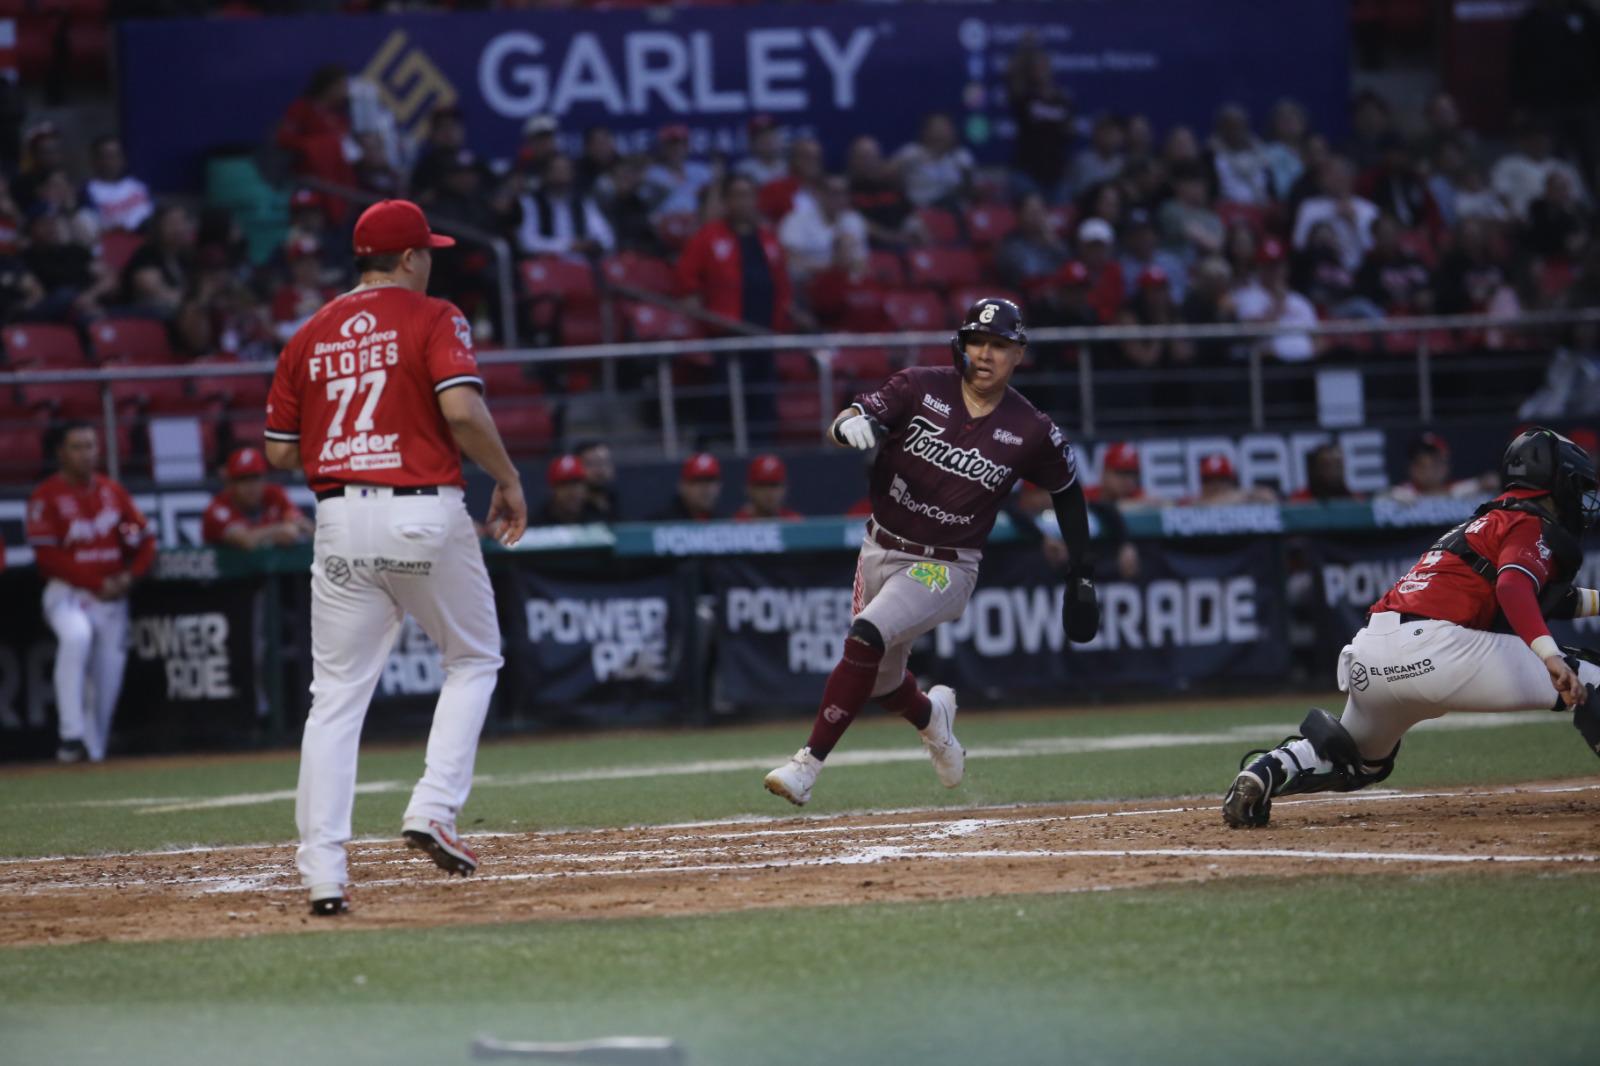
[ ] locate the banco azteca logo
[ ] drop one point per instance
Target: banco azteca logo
(409, 83)
(358, 324)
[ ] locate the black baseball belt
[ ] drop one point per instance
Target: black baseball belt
(884, 539)
(402, 490)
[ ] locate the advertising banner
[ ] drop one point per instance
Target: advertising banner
(835, 70)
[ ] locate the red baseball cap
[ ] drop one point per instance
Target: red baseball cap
(246, 462)
(766, 470)
(394, 226)
(701, 466)
(564, 470)
(1215, 466)
(1271, 251)
(1122, 456)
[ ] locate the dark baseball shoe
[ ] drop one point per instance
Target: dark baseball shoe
(1247, 805)
(72, 751)
(328, 901)
(447, 850)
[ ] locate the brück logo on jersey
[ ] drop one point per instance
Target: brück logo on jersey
(936, 405)
(925, 441)
(358, 324)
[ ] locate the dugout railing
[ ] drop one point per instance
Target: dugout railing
(658, 398)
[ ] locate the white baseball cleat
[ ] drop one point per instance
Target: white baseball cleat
(793, 780)
(949, 757)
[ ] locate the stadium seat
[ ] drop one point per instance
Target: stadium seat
(76, 399)
(887, 269)
(580, 325)
(163, 395)
(241, 392)
(525, 426)
(22, 451)
(861, 364)
(132, 341)
(641, 271)
(795, 366)
(569, 281)
(799, 415)
(40, 344)
(914, 310)
(508, 379)
(943, 268)
(647, 322)
(942, 225)
(988, 224)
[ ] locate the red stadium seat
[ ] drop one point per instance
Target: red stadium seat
(117, 247)
(799, 415)
(581, 325)
(241, 392)
(76, 399)
(43, 345)
(862, 364)
(942, 225)
(795, 366)
(914, 310)
(508, 379)
(565, 279)
(640, 271)
(22, 451)
(647, 322)
(162, 395)
(134, 341)
(525, 426)
(988, 224)
(887, 269)
(943, 268)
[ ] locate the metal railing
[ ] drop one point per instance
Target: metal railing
(1255, 375)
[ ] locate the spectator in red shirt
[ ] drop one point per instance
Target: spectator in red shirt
(1095, 251)
(316, 131)
(251, 512)
(304, 294)
(766, 161)
(878, 191)
(1391, 277)
(699, 488)
(778, 197)
(1324, 477)
(846, 297)
(766, 485)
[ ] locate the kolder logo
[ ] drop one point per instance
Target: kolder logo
(358, 324)
(935, 405)
(1005, 436)
(337, 570)
(1358, 677)
(925, 441)
(835, 713)
(936, 576)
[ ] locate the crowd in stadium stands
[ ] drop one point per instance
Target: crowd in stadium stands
(1099, 219)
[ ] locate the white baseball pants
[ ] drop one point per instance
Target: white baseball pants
(1400, 673)
(91, 643)
(378, 557)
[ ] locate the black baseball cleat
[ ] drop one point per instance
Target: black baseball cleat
(72, 751)
(1247, 805)
(328, 901)
(447, 850)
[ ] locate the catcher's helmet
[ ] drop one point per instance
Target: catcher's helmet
(1543, 459)
(992, 314)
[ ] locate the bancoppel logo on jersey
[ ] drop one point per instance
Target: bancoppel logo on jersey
(900, 493)
(1005, 436)
(925, 441)
(936, 405)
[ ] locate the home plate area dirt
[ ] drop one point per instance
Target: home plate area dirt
(804, 861)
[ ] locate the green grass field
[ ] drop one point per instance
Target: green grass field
(1456, 967)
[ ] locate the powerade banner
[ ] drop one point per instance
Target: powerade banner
(835, 70)
(1190, 616)
(611, 650)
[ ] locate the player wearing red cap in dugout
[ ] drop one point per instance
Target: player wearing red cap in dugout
(568, 502)
(766, 484)
(699, 489)
(250, 511)
(376, 397)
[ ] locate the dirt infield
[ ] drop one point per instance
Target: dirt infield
(923, 855)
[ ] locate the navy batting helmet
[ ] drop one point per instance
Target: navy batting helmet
(994, 315)
(1543, 459)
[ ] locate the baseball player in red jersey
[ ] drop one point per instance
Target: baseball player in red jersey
(955, 441)
(376, 397)
(251, 512)
(1438, 642)
(90, 543)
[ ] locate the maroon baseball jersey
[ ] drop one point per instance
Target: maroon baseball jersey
(356, 387)
(941, 475)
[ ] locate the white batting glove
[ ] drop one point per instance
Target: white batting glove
(858, 431)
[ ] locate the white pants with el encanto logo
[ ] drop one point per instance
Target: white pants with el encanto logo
(91, 644)
(378, 557)
(1400, 673)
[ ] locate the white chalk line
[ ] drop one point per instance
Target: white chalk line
(1028, 748)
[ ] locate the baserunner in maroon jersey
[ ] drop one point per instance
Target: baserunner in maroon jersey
(955, 441)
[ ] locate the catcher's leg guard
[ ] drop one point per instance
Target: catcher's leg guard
(1586, 717)
(1322, 758)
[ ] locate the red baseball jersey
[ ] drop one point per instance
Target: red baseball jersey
(83, 535)
(357, 389)
(1441, 586)
(222, 514)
